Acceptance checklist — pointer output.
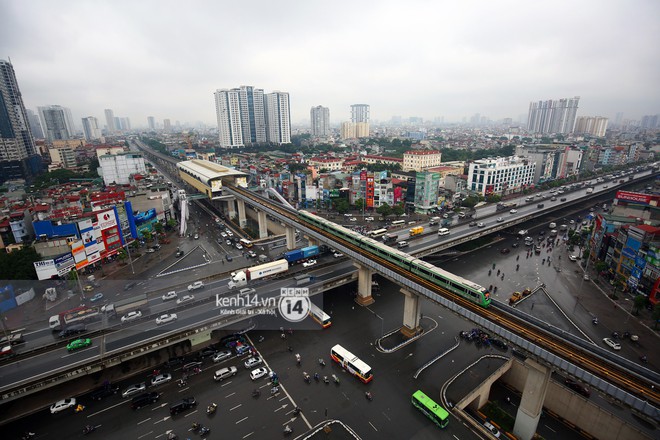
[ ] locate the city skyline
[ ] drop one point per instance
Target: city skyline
(431, 60)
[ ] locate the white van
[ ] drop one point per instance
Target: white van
(434, 221)
(224, 373)
(443, 231)
(402, 244)
(552, 225)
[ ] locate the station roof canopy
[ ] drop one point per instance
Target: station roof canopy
(207, 172)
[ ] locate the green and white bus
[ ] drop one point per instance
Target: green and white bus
(432, 410)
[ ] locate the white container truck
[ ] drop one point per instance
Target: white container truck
(241, 278)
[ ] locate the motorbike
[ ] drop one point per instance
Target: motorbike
(195, 427)
(296, 411)
(643, 358)
(182, 383)
(594, 321)
(306, 377)
(287, 430)
(274, 390)
(256, 393)
(88, 429)
(298, 358)
(204, 430)
(261, 339)
(171, 435)
(335, 379)
(211, 408)
(326, 380)
(321, 362)
(316, 377)
(368, 396)
(28, 435)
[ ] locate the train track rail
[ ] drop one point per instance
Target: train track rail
(642, 387)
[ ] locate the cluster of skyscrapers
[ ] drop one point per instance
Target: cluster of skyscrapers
(553, 116)
(246, 115)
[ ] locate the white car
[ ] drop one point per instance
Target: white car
(353, 219)
(500, 219)
(161, 379)
(513, 211)
(481, 225)
(164, 319)
(239, 246)
(131, 316)
(196, 285)
(61, 405)
(258, 373)
(572, 257)
(223, 235)
(337, 255)
(309, 263)
(368, 219)
(134, 389)
(253, 362)
(222, 355)
(150, 251)
(612, 343)
(170, 296)
(185, 298)
(493, 430)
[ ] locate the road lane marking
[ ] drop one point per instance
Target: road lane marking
(157, 407)
(145, 420)
(144, 435)
(373, 426)
(184, 389)
(247, 435)
(237, 406)
(242, 420)
(229, 395)
(104, 410)
(550, 428)
(163, 420)
(190, 413)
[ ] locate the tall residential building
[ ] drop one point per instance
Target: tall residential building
(56, 122)
(253, 122)
(593, 125)
(16, 140)
(151, 122)
(228, 113)
(320, 117)
(125, 123)
(35, 125)
(167, 125)
(91, 128)
(347, 130)
(360, 113)
(278, 117)
(553, 116)
(110, 120)
(650, 121)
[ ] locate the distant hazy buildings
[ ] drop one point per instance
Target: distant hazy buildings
(359, 125)
(650, 121)
(110, 120)
(16, 142)
(360, 113)
(320, 117)
(247, 115)
(56, 122)
(151, 122)
(35, 125)
(167, 125)
(593, 125)
(91, 128)
(553, 116)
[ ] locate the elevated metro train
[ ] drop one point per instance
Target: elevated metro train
(446, 280)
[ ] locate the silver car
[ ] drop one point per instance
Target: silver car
(134, 389)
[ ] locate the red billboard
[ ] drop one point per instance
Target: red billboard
(634, 197)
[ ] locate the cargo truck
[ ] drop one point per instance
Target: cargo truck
(241, 278)
(297, 255)
(74, 316)
(417, 230)
(124, 306)
(504, 206)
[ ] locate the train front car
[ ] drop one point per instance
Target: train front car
(467, 289)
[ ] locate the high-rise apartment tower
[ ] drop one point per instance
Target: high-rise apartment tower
(553, 116)
(320, 117)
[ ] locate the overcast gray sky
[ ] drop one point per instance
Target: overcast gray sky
(431, 58)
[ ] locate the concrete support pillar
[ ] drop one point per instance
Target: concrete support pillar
(263, 224)
(242, 221)
(231, 209)
(311, 241)
(290, 238)
(531, 404)
(411, 314)
(364, 297)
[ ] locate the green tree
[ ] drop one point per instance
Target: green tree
(19, 264)
(158, 226)
(171, 223)
(398, 210)
(384, 210)
(359, 204)
(600, 266)
(340, 205)
(640, 301)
